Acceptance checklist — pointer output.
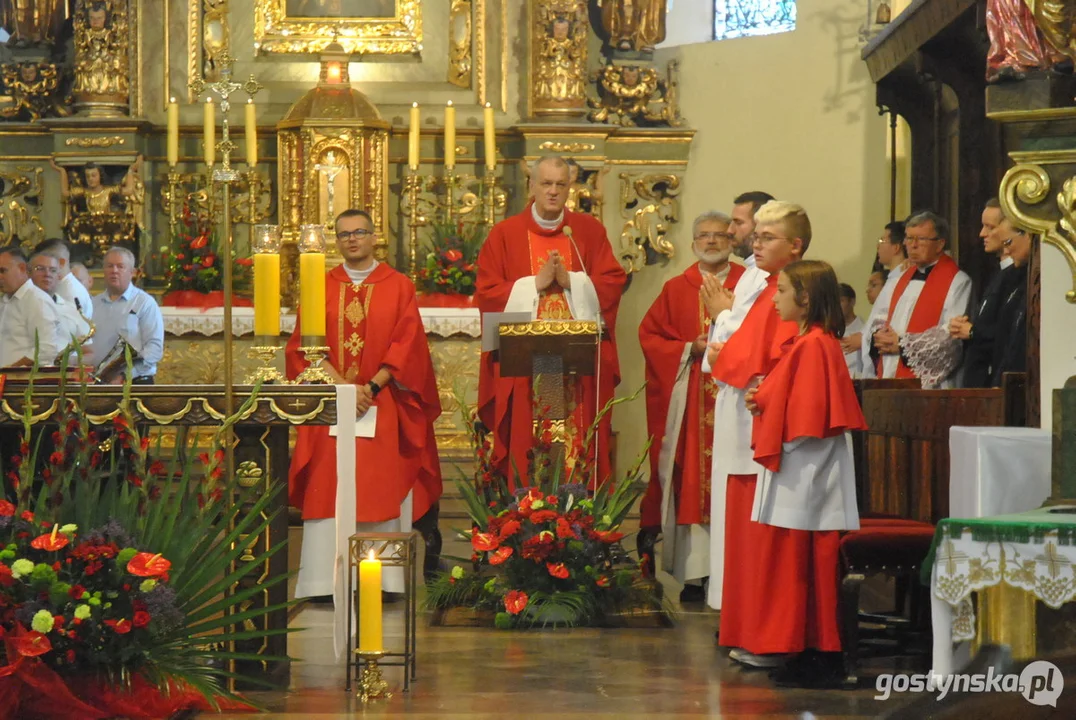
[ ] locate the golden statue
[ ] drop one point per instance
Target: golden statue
(31, 22)
(90, 219)
(633, 24)
(561, 58)
(630, 95)
(101, 65)
(1056, 19)
(32, 87)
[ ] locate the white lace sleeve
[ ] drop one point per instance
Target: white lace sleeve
(932, 355)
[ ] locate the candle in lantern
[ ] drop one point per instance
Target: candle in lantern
(490, 137)
(450, 135)
(173, 133)
(370, 635)
(312, 280)
(251, 132)
(209, 131)
(266, 280)
(413, 139)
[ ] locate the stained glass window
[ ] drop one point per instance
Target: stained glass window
(743, 18)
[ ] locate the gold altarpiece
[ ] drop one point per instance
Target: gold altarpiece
(332, 154)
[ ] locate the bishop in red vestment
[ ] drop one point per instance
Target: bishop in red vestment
(557, 265)
(680, 405)
(377, 342)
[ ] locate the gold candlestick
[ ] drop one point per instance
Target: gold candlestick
(489, 197)
(451, 180)
(372, 684)
(264, 350)
(173, 200)
(315, 350)
(415, 219)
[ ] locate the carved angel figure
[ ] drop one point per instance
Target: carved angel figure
(634, 24)
(32, 87)
(561, 73)
(626, 94)
(101, 53)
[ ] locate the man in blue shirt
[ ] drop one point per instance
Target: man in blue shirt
(125, 312)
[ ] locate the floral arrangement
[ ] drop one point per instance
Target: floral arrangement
(451, 261)
(547, 551)
(194, 262)
(105, 609)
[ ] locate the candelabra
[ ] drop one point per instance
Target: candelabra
(413, 186)
(225, 175)
(172, 200)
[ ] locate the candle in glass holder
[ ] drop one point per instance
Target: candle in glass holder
(209, 132)
(413, 139)
(173, 133)
(251, 132)
(266, 280)
(312, 280)
(490, 137)
(450, 135)
(371, 639)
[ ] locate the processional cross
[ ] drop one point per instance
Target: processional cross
(331, 170)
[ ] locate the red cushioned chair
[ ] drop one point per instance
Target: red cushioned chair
(883, 545)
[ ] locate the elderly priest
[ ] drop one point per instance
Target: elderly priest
(556, 265)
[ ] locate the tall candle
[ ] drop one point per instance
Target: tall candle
(251, 132)
(312, 293)
(267, 294)
(450, 135)
(413, 139)
(173, 133)
(370, 635)
(490, 137)
(209, 132)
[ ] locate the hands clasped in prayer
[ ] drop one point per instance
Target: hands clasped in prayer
(715, 296)
(960, 328)
(554, 270)
(887, 341)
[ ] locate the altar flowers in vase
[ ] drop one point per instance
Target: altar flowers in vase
(548, 551)
(118, 575)
(195, 274)
(446, 277)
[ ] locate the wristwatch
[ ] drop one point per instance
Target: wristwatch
(374, 388)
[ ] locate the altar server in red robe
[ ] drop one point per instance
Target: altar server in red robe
(782, 235)
(915, 341)
(556, 265)
(680, 407)
(376, 342)
(805, 411)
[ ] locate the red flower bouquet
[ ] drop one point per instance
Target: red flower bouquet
(451, 264)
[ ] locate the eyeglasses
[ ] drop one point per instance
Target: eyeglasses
(714, 236)
(766, 239)
(45, 269)
(911, 240)
(347, 234)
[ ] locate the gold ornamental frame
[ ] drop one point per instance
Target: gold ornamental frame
(277, 32)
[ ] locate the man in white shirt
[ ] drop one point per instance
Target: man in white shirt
(914, 341)
(45, 273)
(26, 314)
(69, 287)
(853, 331)
(125, 312)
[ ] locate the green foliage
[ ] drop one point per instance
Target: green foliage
(451, 259)
(194, 261)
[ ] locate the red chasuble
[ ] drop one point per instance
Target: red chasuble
(807, 394)
(750, 350)
(516, 248)
(929, 306)
(368, 326)
(678, 316)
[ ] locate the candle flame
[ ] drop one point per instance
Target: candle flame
(372, 556)
(209, 101)
(449, 103)
(488, 104)
(171, 100)
(414, 104)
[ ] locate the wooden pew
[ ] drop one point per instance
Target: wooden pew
(905, 457)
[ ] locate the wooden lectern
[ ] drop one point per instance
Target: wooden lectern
(551, 353)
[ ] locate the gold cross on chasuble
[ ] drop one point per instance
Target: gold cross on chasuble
(352, 313)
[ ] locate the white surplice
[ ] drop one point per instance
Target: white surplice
(854, 359)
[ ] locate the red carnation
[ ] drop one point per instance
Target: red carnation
(541, 516)
(483, 542)
(509, 528)
(245, 262)
(496, 558)
(76, 592)
(564, 530)
(141, 619)
(27, 516)
(7, 509)
(557, 570)
(515, 601)
(6, 579)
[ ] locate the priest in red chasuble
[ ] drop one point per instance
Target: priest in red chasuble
(914, 342)
(377, 342)
(556, 265)
(680, 407)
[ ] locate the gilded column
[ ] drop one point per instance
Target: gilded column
(558, 32)
(102, 66)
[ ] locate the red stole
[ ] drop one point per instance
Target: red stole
(928, 308)
(671, 322)
(749, 352)
(807, 394)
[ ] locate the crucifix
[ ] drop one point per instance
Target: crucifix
(331, 170)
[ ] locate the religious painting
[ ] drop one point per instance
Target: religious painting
(363, 27)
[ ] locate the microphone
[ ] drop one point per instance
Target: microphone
(568, 233)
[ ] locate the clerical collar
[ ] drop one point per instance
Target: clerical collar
(923, 273)
(546, 224)
(749, 261)
(1006, 261)
(358, 277)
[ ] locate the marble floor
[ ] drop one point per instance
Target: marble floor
(486, 673)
